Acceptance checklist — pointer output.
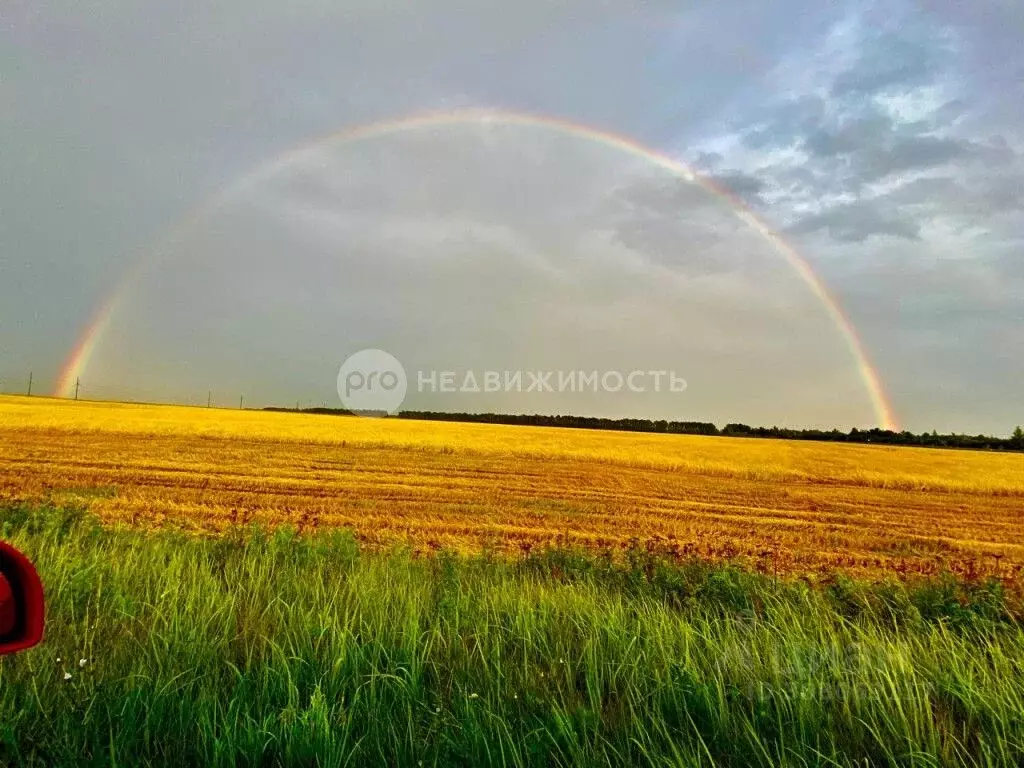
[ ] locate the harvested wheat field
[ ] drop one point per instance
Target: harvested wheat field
(786, 507)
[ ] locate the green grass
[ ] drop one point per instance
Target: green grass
(269, 649)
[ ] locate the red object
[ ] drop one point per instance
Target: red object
(22, 607)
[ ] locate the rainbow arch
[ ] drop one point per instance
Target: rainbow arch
(78, 360)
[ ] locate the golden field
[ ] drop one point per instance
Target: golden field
(794, 507)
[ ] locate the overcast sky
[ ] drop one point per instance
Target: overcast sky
(884, 140)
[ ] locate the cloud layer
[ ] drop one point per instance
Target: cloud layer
(883, 139)
(579, 258)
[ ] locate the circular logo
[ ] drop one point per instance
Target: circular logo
(372, 383)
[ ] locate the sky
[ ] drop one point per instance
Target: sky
(172, 143)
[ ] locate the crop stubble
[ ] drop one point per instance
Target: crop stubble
(787, 507)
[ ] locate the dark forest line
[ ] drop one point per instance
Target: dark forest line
(875, 436)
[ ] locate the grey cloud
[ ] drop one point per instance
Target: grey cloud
(853, 136)
(659, 192)
(896, 60)
(893, 142)
(870, 145)
(745, 185)
(997, 152)
(1003, 193)
(942, 329)
(706, 160)
(450, 270)
(857, 222)
(781, 124)
(973, 200)
(909, 154)
(679, 223)
(827, 157)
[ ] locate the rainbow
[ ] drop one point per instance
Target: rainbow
(78, 360)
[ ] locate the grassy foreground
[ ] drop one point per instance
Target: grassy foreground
(267, 649)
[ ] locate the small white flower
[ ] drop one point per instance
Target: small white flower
(474, 695)
(81, 662)
(67, 675)
(58, 659)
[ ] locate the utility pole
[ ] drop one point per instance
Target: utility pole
(78, 382)
(241, 400)
(209, 397)
(30, 383)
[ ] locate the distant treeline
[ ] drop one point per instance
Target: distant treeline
(881, 436)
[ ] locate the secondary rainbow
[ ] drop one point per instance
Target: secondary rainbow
(90, 339)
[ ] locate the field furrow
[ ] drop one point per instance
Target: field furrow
(788, 507)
